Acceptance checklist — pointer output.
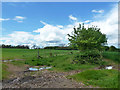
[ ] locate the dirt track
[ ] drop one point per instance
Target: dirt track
(45, 79)
(40, 79)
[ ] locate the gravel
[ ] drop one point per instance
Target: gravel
(42, 79)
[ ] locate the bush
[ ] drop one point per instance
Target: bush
(112, 48)
(92, 57)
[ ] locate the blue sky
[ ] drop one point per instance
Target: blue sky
(33, 18)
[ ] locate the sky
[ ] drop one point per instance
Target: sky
(48, 23)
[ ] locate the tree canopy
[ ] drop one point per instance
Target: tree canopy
(87, 38)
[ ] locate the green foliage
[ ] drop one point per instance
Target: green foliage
(106, 48)
(85, 39)
(89, 57)
(89, 41)
(112, 48)
(101, 78)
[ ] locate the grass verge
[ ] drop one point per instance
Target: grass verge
(101, 78)
(5, 72)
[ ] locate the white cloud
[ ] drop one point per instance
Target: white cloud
(18, 38)
(43, 23)
(109, 26)
(98, 11)
(4, 19)
(87, 21)
(49, 33)
(57, 34)
(72, 18)
(19, 18)
(16, 18)
(60, 26)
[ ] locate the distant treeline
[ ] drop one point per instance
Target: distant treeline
(18, 46)
(111, 48)
(60, 48)
(105, 48)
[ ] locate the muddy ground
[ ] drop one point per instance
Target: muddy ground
(40, 79)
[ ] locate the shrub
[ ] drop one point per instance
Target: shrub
(93, 57)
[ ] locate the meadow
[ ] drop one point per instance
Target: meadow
(61, 61)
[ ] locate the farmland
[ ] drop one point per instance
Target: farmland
(61, 62)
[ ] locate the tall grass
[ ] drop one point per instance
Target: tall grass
(115, 56)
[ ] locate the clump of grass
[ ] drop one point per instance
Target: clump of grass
(101, 78)
(5, 72)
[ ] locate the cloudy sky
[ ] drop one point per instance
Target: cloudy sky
(46, 24)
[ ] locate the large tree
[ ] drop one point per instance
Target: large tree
(90, 41)
(87, 38)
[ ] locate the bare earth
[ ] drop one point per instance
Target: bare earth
(40, 79)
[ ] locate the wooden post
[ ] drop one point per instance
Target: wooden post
(38, 54)
(50, 54)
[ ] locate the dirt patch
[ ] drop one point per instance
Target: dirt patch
(43, 79)
(112, 63)
(15, 70)
(12, 68)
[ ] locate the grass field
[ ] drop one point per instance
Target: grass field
(8, 54)
(61, 60)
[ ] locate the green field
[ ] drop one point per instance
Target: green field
(61, 61)
(8, 54)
